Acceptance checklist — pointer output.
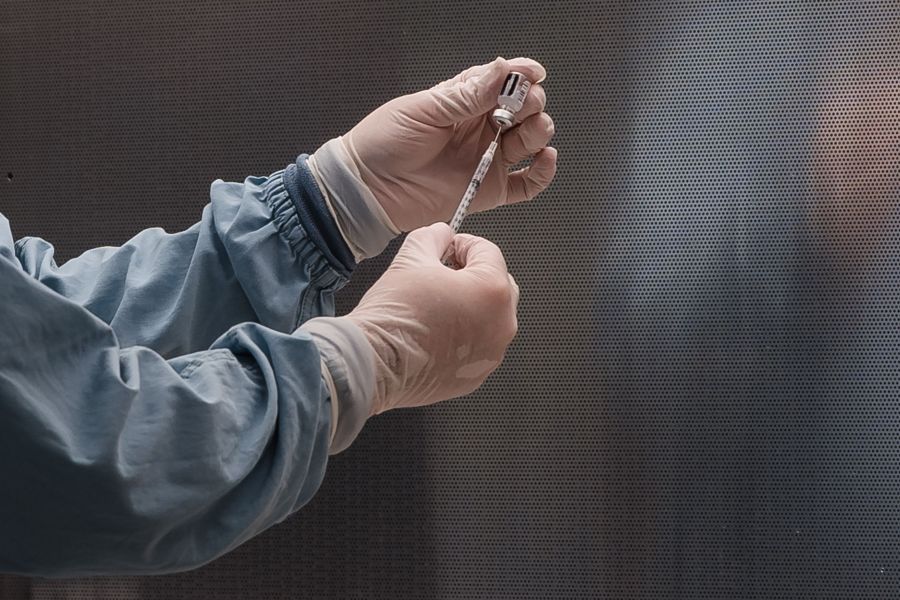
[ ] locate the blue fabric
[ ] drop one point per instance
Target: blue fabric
(157, 406)
(324, 232)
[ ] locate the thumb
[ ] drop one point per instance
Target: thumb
(468, 95)
(427, 243)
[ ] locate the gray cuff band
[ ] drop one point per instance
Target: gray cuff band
(350, 361)
(362, 221)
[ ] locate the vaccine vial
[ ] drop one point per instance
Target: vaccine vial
(511, 100)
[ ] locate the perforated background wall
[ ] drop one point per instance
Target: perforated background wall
(704, 398)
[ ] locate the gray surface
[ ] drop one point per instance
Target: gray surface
(702, 401)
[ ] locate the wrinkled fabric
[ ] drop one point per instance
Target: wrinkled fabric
(158, 405)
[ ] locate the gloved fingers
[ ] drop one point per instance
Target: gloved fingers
(514, 299)
(427, 244)
(481, 257)
(515, 289)
(470, 73)
(530, 68)
(522, 141)
(472, 93)
(527, 183)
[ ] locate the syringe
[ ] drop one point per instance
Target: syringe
(483, 165)
(511, 100)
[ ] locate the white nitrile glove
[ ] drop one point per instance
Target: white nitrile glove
(408, 163)
(437, 333)
(423, 333)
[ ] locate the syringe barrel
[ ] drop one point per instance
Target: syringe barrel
(483, 165)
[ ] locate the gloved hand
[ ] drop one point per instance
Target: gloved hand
(437, 333)
(414, 156)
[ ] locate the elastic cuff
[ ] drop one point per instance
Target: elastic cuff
(315, 217)
(350, 361)
(324, 270)
(363, 223)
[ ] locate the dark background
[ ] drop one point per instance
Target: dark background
(702, 401)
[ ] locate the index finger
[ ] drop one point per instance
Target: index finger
(530, 68)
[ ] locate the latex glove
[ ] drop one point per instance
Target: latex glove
(437, 333)
(407, 163)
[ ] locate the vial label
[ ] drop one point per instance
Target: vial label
(509, 86)
(521, 92)
(513, 92)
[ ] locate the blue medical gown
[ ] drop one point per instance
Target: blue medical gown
(158, 406)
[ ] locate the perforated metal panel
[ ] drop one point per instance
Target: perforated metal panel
(704, 397)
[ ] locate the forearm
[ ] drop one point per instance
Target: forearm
(265, 251)
(119, 461)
